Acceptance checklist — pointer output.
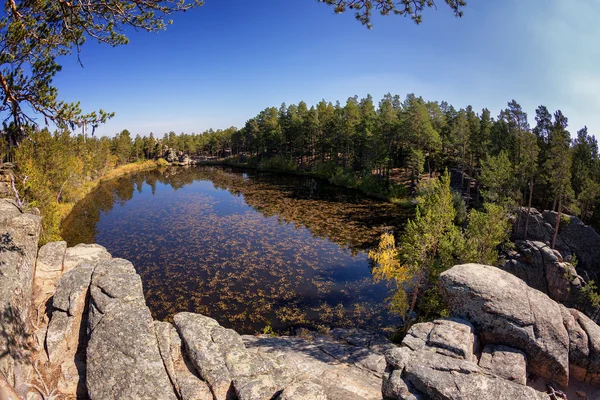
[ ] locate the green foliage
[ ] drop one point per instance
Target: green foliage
(485, 232)
(268, 330)
(37, 33)
(277, 163)
(162, 162)
(498, 179)
(413, 260)
(433, 242)
(409, 8)
(589, 295)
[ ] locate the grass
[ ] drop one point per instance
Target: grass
(64, 209)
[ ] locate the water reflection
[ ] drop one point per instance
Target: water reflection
(248, 249)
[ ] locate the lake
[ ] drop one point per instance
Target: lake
(249, 249)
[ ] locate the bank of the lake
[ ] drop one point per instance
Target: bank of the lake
(397, 194)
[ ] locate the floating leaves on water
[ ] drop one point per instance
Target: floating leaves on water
(248, 250)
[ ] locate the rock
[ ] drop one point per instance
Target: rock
(504, 310)
(303, 391)
(90, 253)
(19, 235)
(316, 359)
(506, 362)
(574, 237)
(545, 270)
(579, 351)
(453, 337)
(440, 377)
(592, 330)
(48, 270)
(222, 360)
(123, 358)
(67, 328)
(182, 374)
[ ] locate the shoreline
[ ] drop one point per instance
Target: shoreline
(66, 208)
(404, 202)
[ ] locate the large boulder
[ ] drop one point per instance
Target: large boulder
(347, 365)
(90, 253)
(452, 337)
(506, 362)
(544, 269)
(123, 358)
(504, 310)
(66, 337)
(48, 270)
(19, 235)
(222, 360)
(184, 377)
(424, 374)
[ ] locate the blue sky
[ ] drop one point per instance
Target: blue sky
(222, 63)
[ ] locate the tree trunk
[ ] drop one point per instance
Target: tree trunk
(557, 222)
(528, 207)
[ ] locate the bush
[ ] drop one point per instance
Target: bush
(277, 163)
(162, 162)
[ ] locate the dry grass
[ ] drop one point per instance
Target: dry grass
(64, 209)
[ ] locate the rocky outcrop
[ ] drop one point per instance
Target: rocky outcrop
(123, 359)
(544, 269)
(506, 362)
(90, 253)
(424, 374)
(223, 361)
(450, 337)
(504, 310)
(19, 235)
(346, 364)
(67, 328)
(574, 237)
(48, 270)
(188, 385)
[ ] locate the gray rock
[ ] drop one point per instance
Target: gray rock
(181, 373)
(574, 237)
(452, 336)
(545, 270)
(305, 390)
(506, 362)
(123, 358)
(90, 253)
(504, 310)
(66, 330)
(579, 350)
(48, 270)
(222, 360)
(315, 359)
(592, 330)
(19, 235)
(441, 377)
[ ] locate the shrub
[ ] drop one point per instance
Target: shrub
(162, 162)
(277, 163)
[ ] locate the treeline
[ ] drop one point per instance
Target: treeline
(362, 144)
(541, 165)
(55, 170)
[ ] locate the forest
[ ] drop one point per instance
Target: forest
(391, 149)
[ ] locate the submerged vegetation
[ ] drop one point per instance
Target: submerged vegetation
(250, 249)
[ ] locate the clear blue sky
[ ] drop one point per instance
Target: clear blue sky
(220, 64)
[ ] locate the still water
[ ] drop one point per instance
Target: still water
(248, 249)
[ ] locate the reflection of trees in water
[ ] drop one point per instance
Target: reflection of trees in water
(241, 268)
(343, 216)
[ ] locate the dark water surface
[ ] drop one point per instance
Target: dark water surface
(248, 249)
